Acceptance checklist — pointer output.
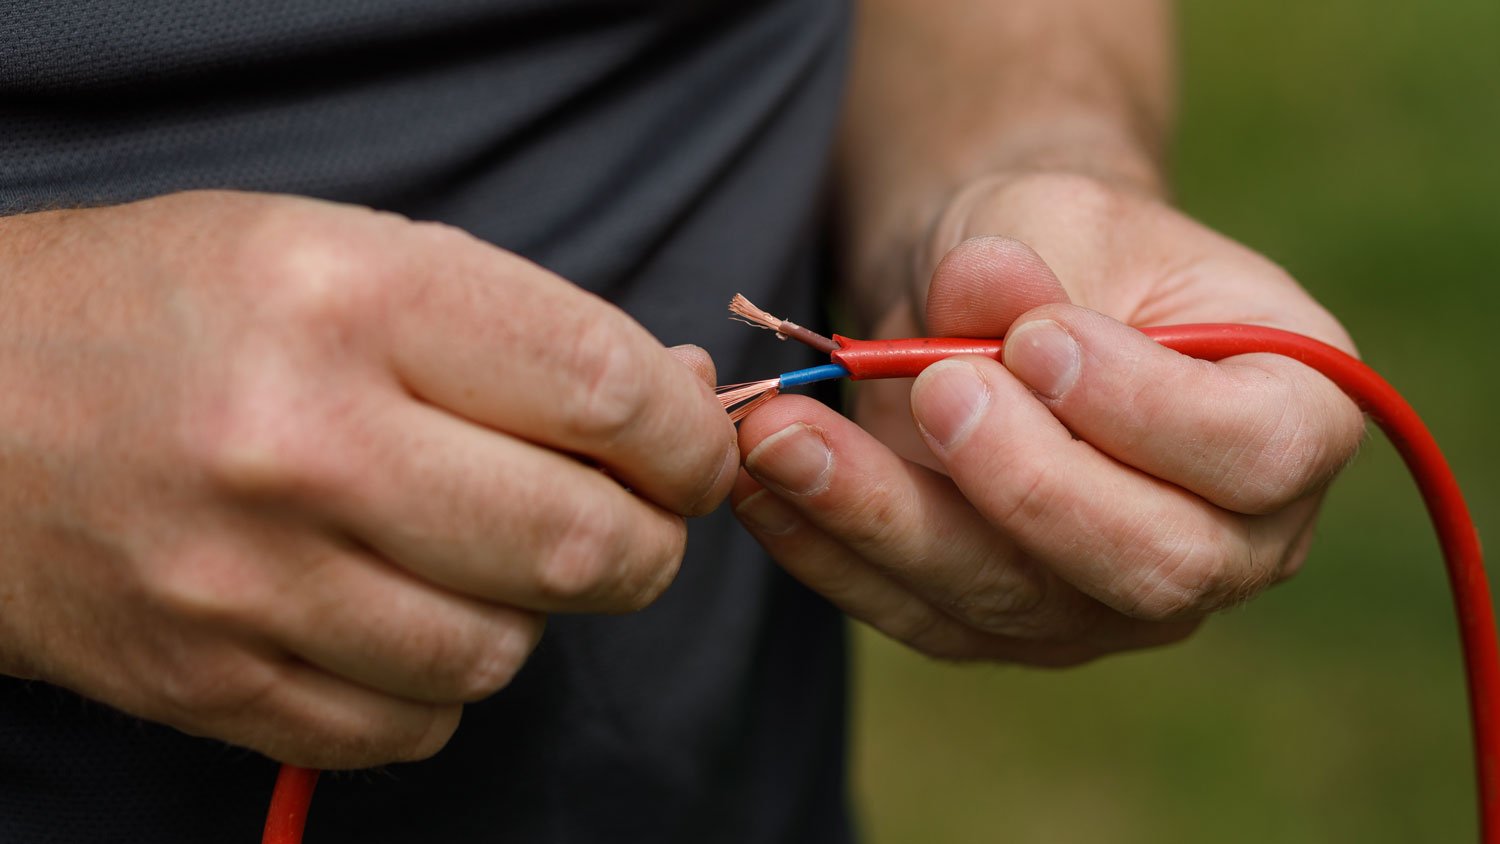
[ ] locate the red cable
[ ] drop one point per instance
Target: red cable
(1445, 504)
(289, 802)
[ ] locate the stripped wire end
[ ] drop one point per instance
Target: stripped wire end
(745, 311)
(739, 399)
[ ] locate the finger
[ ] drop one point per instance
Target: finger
(313, 719)
(977, 290)
(839, 575)
(914, 526)
(698, 360)
(984, 283)
(1139, 544)
(500, 341)
(1251, 433)
(864, 592)
(905, 520)
(496, 518)
(373, 624)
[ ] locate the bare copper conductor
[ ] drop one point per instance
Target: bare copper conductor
(745, 311)
(740, 399)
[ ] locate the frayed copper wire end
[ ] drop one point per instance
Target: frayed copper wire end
(740, 399)
(745, 311)
(748, 407)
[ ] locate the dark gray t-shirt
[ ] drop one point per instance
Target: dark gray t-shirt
(664, 153)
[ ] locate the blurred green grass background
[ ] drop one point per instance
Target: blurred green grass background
(1358, 144)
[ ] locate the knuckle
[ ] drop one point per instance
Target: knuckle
(1297, 449)
(207, 586)
(260, 445)
(212, 685)
(273, 460)
(1005, 595)
(428, 737)
(1281, 461)
(316, 276)
(1027, 495)
(838, 577)
(496, 660)
(599, 558)
(1295, 553)
(711, 482)
(878, 517)
(1005, 609)
(611, 394)
(1184, 577)
(583, 554)
(648, 577)
(928, 632)
(404, 732)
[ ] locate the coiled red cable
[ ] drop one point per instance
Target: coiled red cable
(1445, 504)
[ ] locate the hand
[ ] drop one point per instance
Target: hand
(1095, 493)
(304, 477)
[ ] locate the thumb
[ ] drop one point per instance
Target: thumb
(984, 283)
(698, 360)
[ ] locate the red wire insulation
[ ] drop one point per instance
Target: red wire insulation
(1445, 504)
(905, 358)
(289, 803)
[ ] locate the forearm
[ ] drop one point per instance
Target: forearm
(943, 93)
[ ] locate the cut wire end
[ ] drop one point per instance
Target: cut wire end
(739, 399)
(746, 311)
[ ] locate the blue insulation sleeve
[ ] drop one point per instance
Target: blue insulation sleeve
(826, 372)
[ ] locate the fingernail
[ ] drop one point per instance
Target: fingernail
(767, 514)
(1045, 356)
(795, 459)
(948, 399)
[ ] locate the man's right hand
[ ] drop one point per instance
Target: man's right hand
(305, 477)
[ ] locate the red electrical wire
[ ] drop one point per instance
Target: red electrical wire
(1445, 504)
(289, 802)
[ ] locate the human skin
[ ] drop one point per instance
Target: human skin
(306, 477)
(1000, 175)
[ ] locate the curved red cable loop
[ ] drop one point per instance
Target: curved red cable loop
(1445, 505)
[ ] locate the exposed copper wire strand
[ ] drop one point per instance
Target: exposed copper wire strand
(740, 399)
(745, 409)
(746, 311)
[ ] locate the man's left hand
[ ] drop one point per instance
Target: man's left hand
(1096, 492)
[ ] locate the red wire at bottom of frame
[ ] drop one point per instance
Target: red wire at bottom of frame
(906, 358)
